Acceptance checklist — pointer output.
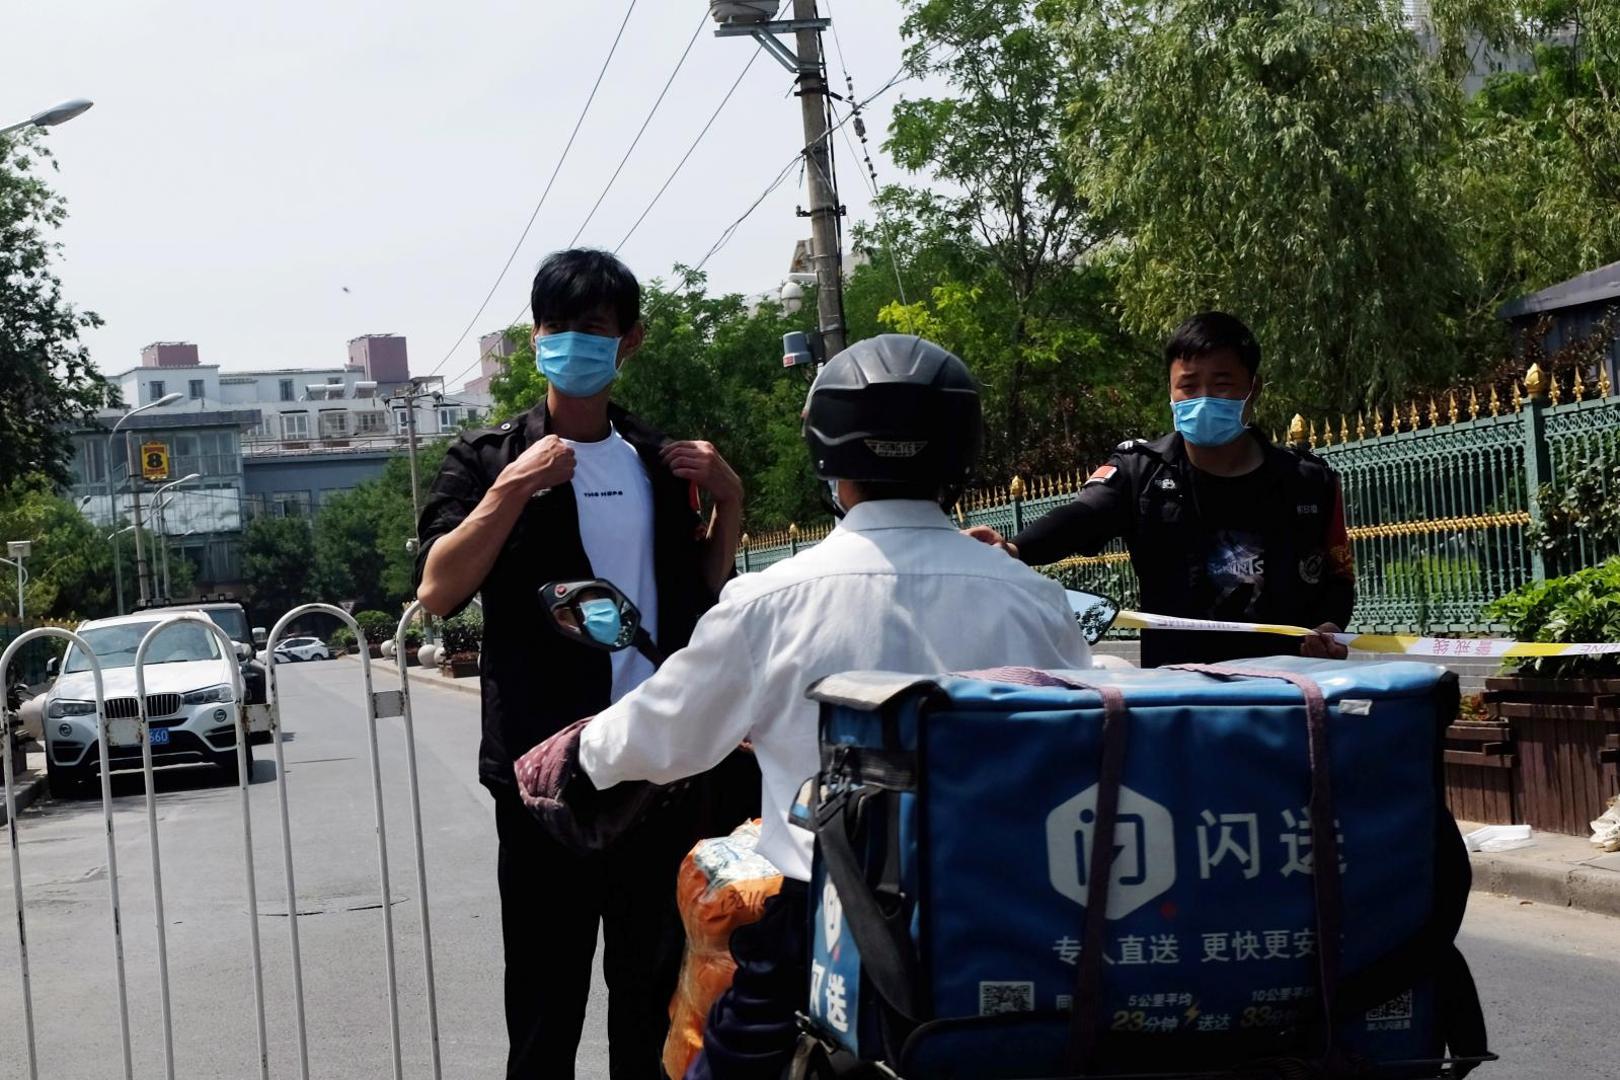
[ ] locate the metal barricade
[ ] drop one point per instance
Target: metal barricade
(378, 706)
(238, 694)
(375, 706)
(12, 825)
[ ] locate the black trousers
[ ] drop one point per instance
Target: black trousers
(552, 902)
(752, 1029)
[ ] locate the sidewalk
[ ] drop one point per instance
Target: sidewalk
(1562, 870)
(31, 785)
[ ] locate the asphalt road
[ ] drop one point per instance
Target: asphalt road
(335, 853)
(1550, 978)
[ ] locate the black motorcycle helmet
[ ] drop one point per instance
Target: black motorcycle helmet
(896, 410)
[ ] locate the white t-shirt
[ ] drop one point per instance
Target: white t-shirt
(614, 495)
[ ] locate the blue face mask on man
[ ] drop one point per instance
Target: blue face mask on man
(602, 620)
(1210, 421)
(579, 365)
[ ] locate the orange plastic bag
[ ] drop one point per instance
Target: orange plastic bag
(723, 884)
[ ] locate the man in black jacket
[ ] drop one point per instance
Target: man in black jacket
(1220, 523)
(577, 489)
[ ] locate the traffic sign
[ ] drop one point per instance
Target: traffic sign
(155, 461)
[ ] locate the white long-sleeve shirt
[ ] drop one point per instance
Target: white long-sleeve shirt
(894, 588)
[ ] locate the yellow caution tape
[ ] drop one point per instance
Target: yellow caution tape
(1393, 644)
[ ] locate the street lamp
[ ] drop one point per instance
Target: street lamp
(158, 502)
(56, 114)
(18, 550)
(112, 504)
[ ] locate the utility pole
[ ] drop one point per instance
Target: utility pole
(135, 492)
(824, 208)
(747, 19)
(410, 396)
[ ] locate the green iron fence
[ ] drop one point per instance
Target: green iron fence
(1439, 505)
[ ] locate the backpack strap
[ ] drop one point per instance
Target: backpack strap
(1324, 825)
(1085, 1017)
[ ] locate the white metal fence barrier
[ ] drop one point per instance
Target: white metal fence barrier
(379, 706)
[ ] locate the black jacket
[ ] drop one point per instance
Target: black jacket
(534, 680)
(1146, 496)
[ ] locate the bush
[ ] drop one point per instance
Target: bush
(377, 625)
(413, 637)
(343, 638)
(464, 634)
(1583, 606)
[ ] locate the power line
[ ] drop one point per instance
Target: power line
(544, 194)
(702, 22)
(896, 79)
(689, 150)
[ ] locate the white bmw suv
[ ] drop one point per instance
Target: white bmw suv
(190, 704)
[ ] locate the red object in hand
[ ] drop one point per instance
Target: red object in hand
(545, 771)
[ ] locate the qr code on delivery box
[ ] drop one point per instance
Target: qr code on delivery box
(1006, 997)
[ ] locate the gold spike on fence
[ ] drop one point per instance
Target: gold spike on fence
(1556, 390)
(1580, 386)
(1378, 422)
(1604, 387)
(1535, 381)
(1361, 425)
(1473, 403)
(1518, 394)
(1344, 428)
(1451, 400)
(1327, 433)
(1496, 402)
(1414, 419)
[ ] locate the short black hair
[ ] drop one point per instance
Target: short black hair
(1211, 332)
(574, 283)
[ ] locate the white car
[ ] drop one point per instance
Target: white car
(302, 648)
(191, 707)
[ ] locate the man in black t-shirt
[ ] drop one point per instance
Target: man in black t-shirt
(1220, 523)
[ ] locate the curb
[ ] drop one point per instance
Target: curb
(1581, 887)
(468, 686)
(30, 788)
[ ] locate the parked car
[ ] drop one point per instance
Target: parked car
(233, 619)
(190, 703)
(302, 648)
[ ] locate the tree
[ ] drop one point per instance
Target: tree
(70, 570)
(360, 536)
(277, 568)
(1536, 179)
(1277, 159)
(49, 383)
(1002, 244)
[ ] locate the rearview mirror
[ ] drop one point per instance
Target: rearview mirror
(244, 651)
(260, 636)
(593, 613)
(52, 666)
(1094, 613)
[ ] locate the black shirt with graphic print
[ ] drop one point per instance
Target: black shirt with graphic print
(1270, 546)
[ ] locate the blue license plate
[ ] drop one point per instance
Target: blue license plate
(159, 736)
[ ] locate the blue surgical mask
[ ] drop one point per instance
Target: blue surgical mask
(1210, 421)
(602, 620)
(578, 365)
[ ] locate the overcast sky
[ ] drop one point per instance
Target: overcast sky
(245, 163)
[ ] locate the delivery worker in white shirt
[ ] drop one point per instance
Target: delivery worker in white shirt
(894, 427)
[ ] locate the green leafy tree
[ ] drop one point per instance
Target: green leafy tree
(277, 568)
(1536, 179)
(1002, 245)
(49, 383)
(70, 569)
(1277, 159)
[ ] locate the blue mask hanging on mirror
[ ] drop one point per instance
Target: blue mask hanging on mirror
(602, 620)
(579, 365)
